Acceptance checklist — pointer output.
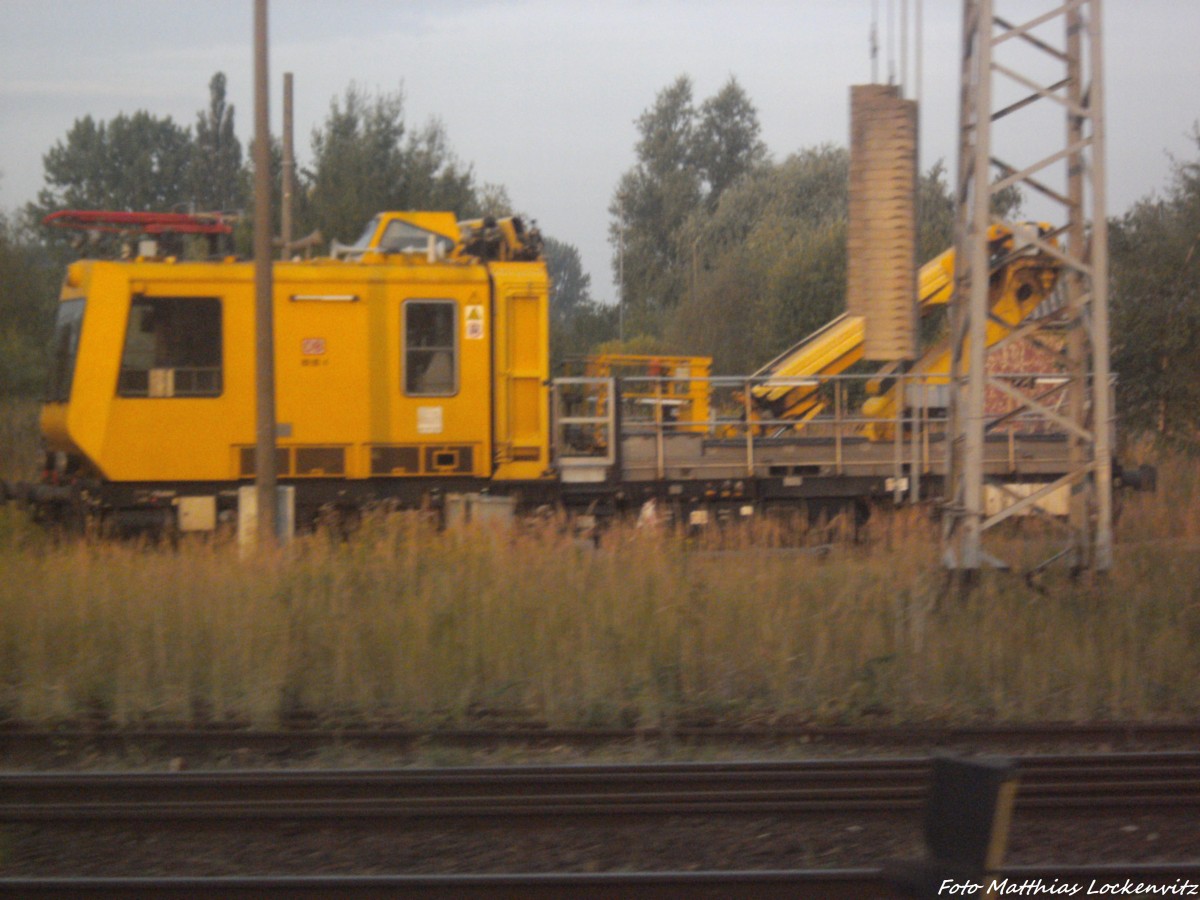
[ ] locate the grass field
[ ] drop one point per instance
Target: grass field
(18, 439)
(402, 624)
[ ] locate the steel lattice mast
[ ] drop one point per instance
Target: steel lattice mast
(1054, 74)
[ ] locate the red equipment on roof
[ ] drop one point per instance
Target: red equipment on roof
(145, 222)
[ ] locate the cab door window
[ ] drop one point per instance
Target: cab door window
(172, 348)
(430, 348)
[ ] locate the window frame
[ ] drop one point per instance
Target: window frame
(125, 392)
(406, 350)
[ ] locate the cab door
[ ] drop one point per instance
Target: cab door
(444, 408)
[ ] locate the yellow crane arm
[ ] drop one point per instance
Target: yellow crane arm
(786, 387)
(834, 348)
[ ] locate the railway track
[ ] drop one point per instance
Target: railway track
(829, 884)
(20, 743)
(545, 796)
(538, 795)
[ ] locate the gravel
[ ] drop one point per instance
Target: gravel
(681, 843)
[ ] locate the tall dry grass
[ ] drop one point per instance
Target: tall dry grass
(403, 624)
(19, 444)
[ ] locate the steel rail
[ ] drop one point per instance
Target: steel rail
(15, 742)
(833, 884)
(537, 793)
(826, 884)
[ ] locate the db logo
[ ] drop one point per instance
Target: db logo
(312, 347)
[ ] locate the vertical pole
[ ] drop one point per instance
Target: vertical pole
(962, 524)
(1079, 549)
(746, 413)
(289, 169)
(898, 441)
(919, 63)
(264, 338)
(977, 298)
(914, 470)
(1101, 395)
(659, 446)
(621, 282)
(837, 424)
(956, 313)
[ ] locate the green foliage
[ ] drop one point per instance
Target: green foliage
(244, 229)
(727, 143)
(217, 179)
(493, 200)
(577, 322)
(726, 253)
(935, 213)
(366, 160)
(1155, 268)
(570, 286)
(590, 327)
(687, 159)
(28, 290)
(769, 262)
(1006, 203)
(357, 160)
(134, 162)
(141, 162)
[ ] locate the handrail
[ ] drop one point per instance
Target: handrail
(585, 425)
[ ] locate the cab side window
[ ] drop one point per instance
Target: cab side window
(172, 348)
(430, 348)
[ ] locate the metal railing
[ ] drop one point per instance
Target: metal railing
(593, 416)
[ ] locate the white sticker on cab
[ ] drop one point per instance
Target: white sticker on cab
(429, 420)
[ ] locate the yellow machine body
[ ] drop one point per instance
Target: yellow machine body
(408, 361)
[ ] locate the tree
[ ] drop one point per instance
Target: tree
(687, 158)
(935, 213)
(570, 286)
(28, 285)
(1155, 326)
(357, 162)
(365, 160)
(652, 201)
(244, 229)
(493, 200)
(217, 179)
(137, 162)
(141, 162)
(727, 143)
(768, 264)
(434, 178)
(577, 322)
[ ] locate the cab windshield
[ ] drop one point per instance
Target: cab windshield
(404, 237)
(364, 239)
(398, 237)
(65, 348)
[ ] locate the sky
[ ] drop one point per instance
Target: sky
(542, 96)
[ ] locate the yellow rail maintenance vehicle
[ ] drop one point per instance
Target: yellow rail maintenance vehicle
(412, 363)
(412, 369)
